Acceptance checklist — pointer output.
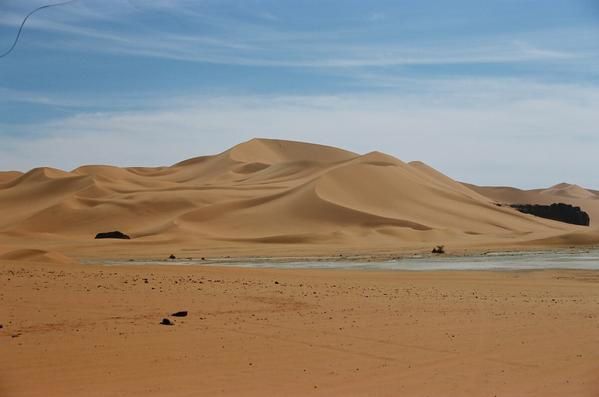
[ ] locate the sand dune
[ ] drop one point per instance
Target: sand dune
(7, 176)
(35, 255)
(264, 193)
(569, 190)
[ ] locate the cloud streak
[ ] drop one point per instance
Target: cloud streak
(518, 139)
(234, 42)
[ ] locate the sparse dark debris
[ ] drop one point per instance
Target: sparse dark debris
(172, 256)
(439, 249)
(166, 321)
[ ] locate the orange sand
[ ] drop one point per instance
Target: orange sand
(73, 330)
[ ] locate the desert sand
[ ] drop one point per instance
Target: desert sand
(94, 331)
(77, 329)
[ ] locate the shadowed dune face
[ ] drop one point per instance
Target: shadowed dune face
(266, 192)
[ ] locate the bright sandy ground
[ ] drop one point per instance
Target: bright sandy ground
(75, 330)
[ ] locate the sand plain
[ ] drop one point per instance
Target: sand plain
(94, 331)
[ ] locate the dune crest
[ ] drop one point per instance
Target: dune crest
(273, 151)
(569, 190)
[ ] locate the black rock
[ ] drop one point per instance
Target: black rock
(166, 321)
(1, 326)
(557, 211)
(115, 234)
(172, 257)
(182, 313)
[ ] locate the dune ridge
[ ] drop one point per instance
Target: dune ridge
(268, 192)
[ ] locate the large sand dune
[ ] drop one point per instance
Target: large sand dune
(264, 195)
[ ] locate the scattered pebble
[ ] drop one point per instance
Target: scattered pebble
(182, 313)
(166, 321)
(172, 256)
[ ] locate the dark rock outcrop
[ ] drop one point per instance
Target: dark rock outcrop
(115, 234)
(557, 211)
(182, 313)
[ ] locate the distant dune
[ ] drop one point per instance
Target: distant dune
(264, 196)
(6, 176)
(566, 193)
(36, 255)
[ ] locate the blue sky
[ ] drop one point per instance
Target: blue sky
(502, 92)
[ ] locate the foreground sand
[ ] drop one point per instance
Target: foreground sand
(93, 331)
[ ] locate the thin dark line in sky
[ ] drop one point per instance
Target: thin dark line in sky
(14, 44)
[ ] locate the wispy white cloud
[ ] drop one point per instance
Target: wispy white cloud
(235, 42)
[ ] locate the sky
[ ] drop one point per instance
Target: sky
(495, 92)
